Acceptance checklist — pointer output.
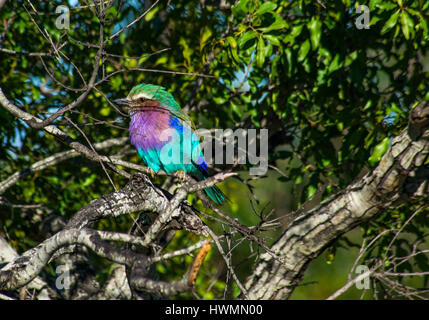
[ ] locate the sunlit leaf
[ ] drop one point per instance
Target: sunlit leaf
(391, 22)
(260, 54)
(266, 7)
(379, 151)
(303, 50)
(315, 26)
(407, 24)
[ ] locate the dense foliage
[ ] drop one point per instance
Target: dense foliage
(331, 94)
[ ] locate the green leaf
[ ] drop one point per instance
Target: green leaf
(268, 50)
(234, 54)
(425, 26)
(205, 36)
(233, 48)
(391, 22)
(288, 54)
(305, 47)
(407, 24)
(236, 111)
(105, 111)
(260, 54)
(296, 30)
(241, 9)
(315, 26)
(378, 151)
(231, 41)
(311, 190)
(278, 24)
(335, 64)
(21, 26)
(266, 7)
(249, 35)
(272, 39)
(151, 14)
(386, 5)
(350, 58)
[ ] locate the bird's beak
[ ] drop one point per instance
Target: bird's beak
(122, 102)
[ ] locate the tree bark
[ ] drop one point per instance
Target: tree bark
(400, 176)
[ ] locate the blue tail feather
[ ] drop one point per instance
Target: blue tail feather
(213, 192)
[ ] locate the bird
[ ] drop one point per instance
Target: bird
(164, 136)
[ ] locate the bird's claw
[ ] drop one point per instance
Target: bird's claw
(181, 175)
(151, 173)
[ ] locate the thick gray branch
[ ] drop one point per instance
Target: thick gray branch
(400, 176)
(25, 268)
(138, 195)
(8, 254)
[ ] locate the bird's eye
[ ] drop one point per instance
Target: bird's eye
(141, 100)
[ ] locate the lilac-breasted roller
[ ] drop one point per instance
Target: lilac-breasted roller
(162, 133)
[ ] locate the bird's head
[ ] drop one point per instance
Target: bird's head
(144, 97)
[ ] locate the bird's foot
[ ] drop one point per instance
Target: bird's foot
(151, 173)
(181, 175)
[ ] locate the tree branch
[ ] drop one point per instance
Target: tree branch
(53, 160)
(400, 176)
(25, 268)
